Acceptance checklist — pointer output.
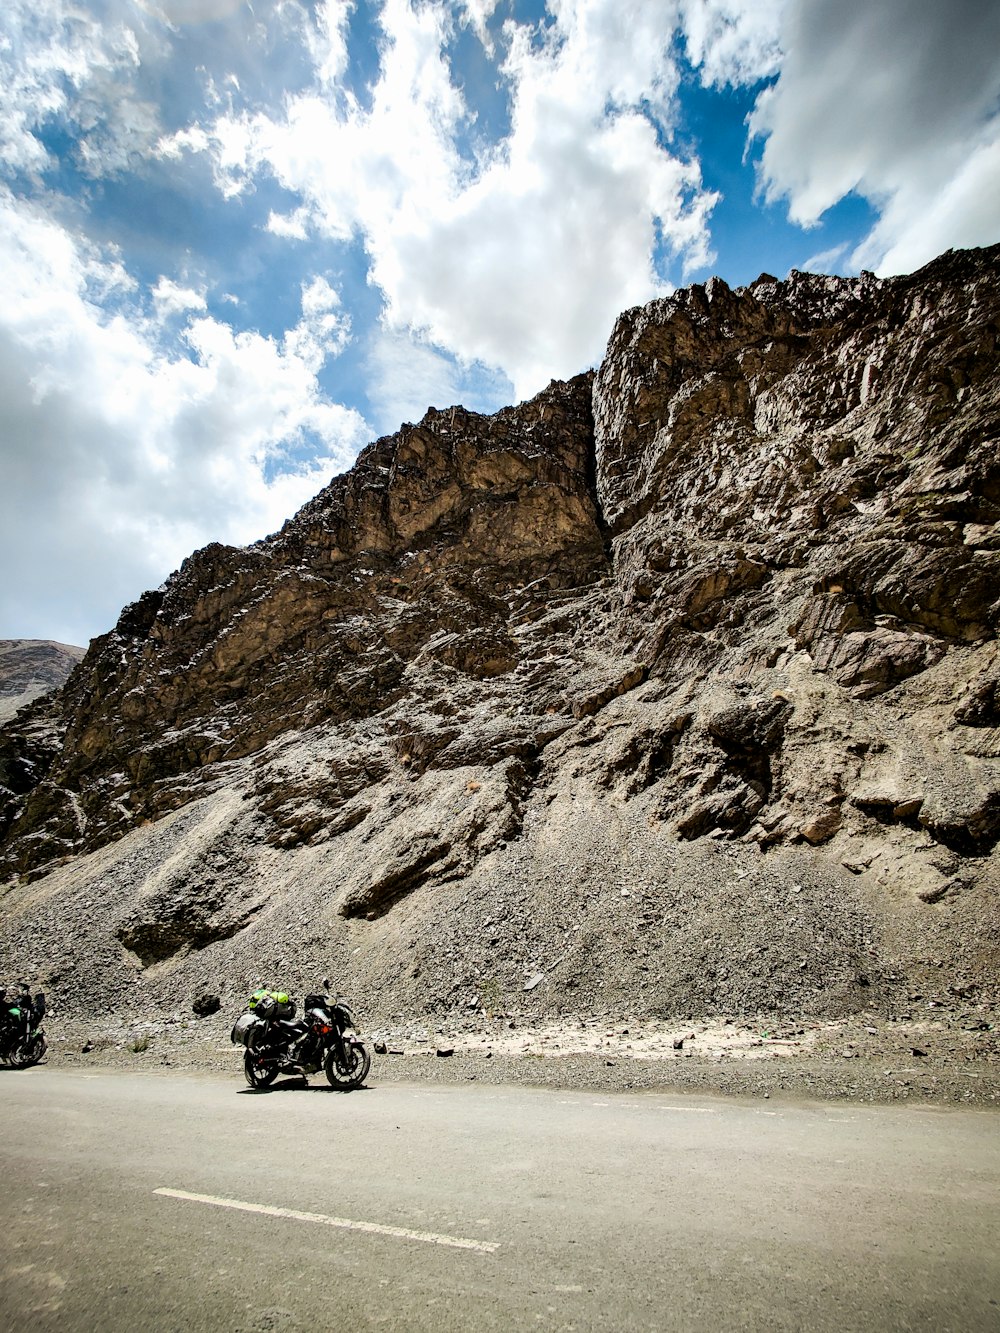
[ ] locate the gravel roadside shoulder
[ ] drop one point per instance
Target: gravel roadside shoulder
(937, 1061)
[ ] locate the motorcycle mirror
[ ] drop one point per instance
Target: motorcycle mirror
(326, 983)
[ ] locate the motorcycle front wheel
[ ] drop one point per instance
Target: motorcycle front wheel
(351, 1073)
(258, 1075)
(28, 1053)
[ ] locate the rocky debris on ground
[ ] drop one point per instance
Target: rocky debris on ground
(672, 691)
(864, 1058)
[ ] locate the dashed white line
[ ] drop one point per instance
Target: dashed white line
(294, 1215)
(639, 1106)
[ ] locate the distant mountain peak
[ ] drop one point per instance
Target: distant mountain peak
(30, 668)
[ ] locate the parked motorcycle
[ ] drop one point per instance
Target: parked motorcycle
(22, 1040)
(325, 1037)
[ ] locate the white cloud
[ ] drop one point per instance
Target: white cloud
(408, 375)
(734, 41)
(120, 457)
(170, 298)
(293, 226)
(834, 260)
(63, 62)
(918, 224)
(527, 265)
(325, 328)
(896, 100)
(477, 14)
(524, 259)
(326, 38)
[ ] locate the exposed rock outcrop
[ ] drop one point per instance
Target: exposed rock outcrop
(677, 685)
(30, 668)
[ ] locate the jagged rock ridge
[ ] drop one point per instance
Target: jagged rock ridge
(677, 685)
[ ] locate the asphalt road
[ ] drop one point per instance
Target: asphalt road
(163, 1202)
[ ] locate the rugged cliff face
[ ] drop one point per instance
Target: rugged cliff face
(673, 689)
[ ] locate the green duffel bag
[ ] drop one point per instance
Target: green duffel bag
(275, 1004)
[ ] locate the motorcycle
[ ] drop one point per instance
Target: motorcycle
(326, 1037)
(22, 1040)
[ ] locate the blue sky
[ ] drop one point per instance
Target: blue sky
(240, 240)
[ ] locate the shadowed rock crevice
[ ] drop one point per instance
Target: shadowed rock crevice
(169, 928)
(750, 737)
(399, 878)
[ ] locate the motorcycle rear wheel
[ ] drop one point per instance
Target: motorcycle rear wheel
(351, 1075)
(27, 1053)
(257, 1075)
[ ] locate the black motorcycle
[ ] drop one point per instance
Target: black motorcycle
(22, 1041)
(325, 1037)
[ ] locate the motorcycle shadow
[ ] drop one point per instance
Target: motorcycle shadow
(297, 1085)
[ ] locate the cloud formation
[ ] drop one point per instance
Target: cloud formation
(230, 233)
(124, 451)
(521, 256)
(895, 100)
(576, 212)
(61, 63)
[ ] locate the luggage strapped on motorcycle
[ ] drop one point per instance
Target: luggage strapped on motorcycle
(263, 1005)
(272, 1004)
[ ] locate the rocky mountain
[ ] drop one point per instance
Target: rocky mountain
(30, 667)
(675, 689)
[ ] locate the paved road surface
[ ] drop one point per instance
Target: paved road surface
(409, 1207)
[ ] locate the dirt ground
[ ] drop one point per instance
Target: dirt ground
(930, 1057)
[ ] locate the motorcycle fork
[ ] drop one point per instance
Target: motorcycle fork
(341, 1043)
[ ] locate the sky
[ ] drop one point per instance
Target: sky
(240, 239)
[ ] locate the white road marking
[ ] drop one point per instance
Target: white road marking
(639, 1106)
(400, 1233)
